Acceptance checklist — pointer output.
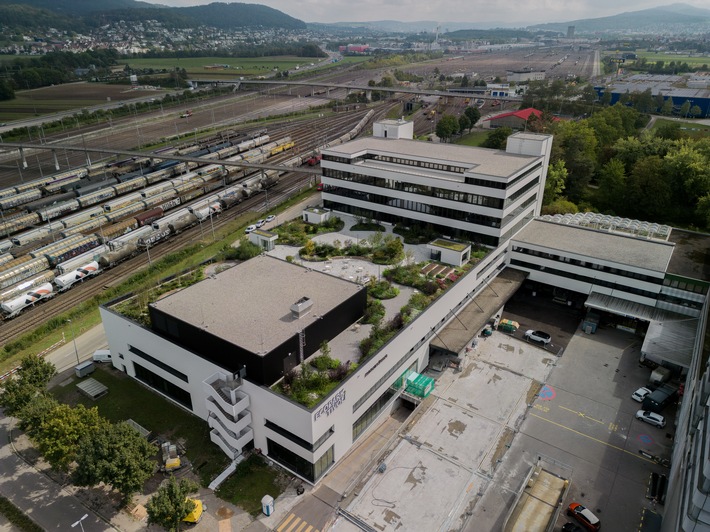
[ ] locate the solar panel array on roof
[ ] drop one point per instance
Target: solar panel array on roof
(610, 223)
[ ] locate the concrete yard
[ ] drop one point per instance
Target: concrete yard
(446, 459)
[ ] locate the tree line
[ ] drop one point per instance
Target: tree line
(78, 441)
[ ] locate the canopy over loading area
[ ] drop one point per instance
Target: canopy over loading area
(454, 337)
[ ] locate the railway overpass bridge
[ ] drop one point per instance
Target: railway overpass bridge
(324, 87)
(54, 146)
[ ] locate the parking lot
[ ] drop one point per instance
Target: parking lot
(462, 463)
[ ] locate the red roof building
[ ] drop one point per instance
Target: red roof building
(515, 120)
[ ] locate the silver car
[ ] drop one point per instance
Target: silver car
(657, 420)
(538, 336)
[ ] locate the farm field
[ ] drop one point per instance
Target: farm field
(236, 66)
(66, 97)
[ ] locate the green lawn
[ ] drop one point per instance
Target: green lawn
(250, 482)
(693, 129)
(127, 399)
(474, 138)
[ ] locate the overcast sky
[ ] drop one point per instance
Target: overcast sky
(520, 12)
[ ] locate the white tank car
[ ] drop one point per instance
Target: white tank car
(12, 308)
(67, 280)
(78, 261)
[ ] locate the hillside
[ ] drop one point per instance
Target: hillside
(97, 12)
(680, 17)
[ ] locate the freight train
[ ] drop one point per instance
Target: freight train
(27, 280)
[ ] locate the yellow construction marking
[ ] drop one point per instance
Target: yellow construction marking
(613, 427)
(293, 525)
(542, 408)
(594, 439)
(581, 414)
(309, 529)
(283, 525)
(301, 527)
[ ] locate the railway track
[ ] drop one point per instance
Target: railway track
(307, 135)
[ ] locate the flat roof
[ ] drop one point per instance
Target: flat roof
(691, 258)
(654, 255)
(249, 304)
(476, 160)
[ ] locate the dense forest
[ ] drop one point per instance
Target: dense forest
(299, 49)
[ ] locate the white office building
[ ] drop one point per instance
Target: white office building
(475, 194)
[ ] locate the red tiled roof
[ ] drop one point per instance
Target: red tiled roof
(523, 114)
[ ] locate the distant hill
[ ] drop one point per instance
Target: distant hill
(80, 7)
(24, 18)
(680, 16)
(219, 15)
(394, 26)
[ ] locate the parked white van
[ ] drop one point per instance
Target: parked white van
(102, 355)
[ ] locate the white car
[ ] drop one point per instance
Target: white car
(250, 229)
(640, 394)
(538, 336)
(651, 418)
(270, 218)
(260, 223)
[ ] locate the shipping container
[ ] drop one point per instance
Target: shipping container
(81, 216)
(55, 211)
(130, 185)
(89, 226)
(128, 211)
(18, 223)
(156, 189)
(109, 232)
(58, 244)
(40, 233)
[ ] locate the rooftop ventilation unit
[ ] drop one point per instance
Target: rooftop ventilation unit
(301, 307)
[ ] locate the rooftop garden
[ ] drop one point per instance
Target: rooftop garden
(378, 248)
(297, 232)
(449, 244)
(315, 378)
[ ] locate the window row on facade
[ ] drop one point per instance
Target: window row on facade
(590, 265)
(585, 279)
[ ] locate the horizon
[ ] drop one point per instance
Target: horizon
(526, 13)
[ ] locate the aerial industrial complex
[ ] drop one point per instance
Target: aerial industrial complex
(227, 359)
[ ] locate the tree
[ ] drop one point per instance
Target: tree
(685, 108)
(695, 111)
(170, 504)
(576, 144)
(611, 194)
(59, 435)
(6, 90)
(560, 206)
(30, 380)
(447, 127)
(473, 114)
(464, 123)
(555, 182)
(464, 81)
(667, 107)
(498, 138)
(116, 455)
(38, 410)
(648, 193)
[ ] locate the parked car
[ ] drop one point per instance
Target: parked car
(250, 229)
(260, 223)
(584, 516)
(640, 394)
(270, 218)
(651, 418)
(538, 336)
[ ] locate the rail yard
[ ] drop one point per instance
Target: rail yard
(93, 225)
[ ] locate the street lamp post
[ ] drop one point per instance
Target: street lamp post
(76, 352)
(79, 522)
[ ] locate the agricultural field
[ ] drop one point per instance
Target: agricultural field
(66, 97)
(224, 66)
